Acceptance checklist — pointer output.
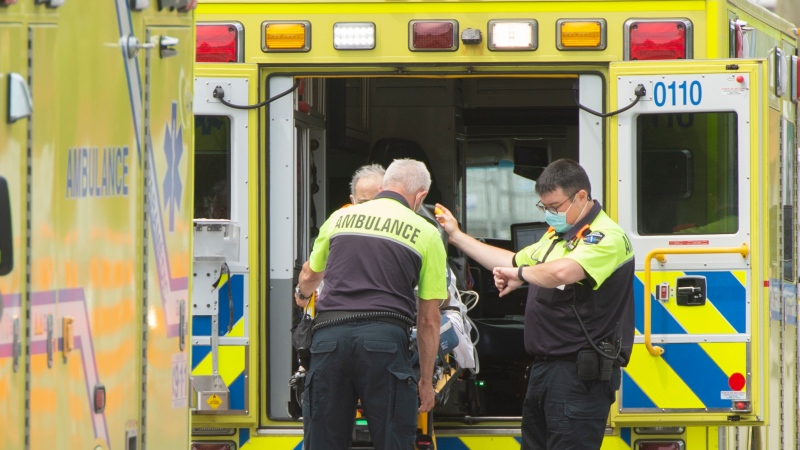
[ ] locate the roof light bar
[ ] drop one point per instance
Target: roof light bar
(658, 39)
(432, 35)
(285, 36)
(587, 34)
(354, 36)
(510, 35)
(219, 42)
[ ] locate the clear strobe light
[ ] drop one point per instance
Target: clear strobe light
(354, 36)
(513, 35)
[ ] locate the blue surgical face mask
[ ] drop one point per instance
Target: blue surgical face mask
(558, 220)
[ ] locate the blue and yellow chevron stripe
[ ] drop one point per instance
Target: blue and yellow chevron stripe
(232, 359)
(693, 375)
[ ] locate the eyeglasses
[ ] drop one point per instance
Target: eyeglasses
(554, 209)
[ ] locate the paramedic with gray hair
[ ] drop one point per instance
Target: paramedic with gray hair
(371, 257)
(366, 183)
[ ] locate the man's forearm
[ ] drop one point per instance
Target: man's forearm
(308, 281)
(486, 255)
(427, 345)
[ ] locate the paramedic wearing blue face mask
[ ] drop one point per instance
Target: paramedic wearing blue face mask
(579, 320)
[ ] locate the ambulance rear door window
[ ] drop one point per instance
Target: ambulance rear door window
(212, 180)
(687, 171)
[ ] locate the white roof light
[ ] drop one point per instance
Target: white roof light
(354, 36)
(513, 35)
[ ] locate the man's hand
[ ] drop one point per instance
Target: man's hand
(427, 396)
(446, 219)
(506, 280)
(300, 302)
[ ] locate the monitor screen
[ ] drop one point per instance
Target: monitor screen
(525, 234)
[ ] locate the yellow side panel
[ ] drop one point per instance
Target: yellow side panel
(170, 215)
(13, 143)
(49, 386)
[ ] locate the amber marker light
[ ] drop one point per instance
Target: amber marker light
(286, 36)
(581, 34)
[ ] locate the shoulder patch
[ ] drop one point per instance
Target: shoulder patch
(593, 238)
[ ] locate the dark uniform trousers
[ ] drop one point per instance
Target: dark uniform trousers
(561, 411)
(365, 360)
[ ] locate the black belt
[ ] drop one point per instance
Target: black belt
(329, 318)
(571, 357)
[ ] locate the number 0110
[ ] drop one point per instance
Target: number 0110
(678, 94)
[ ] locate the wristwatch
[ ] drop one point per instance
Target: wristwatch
(519, 273)
(299, 295)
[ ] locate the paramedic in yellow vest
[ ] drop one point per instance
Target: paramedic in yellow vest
(579, 320)
(371, 257)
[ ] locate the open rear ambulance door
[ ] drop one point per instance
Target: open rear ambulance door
(686, 161)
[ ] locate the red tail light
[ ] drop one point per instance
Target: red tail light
(433, 35)
(213, 446)
(650, 39)
(219, 42)
(659, 445)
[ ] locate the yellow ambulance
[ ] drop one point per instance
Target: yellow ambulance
(96, 176)
(683, 112)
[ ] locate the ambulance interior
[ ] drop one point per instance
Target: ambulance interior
(484, 140)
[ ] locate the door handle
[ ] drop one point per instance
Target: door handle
(658, 253)
(166, 46)
(133, 46)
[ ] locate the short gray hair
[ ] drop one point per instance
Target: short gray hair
(369, 171)
(407, 174)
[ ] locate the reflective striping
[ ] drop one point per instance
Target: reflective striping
(274, 443)
(729, 296)
(699, 372)
(249, 442)
(625, 435)
(201, 325)
(689, 375)
(733, 359)
(725, 312)
(693, 376)
(705, 319)
(661, 321)
(659, 382)
(621, 442)
(632, 395)
(231, 360)
(488, 442)
(450, 443)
